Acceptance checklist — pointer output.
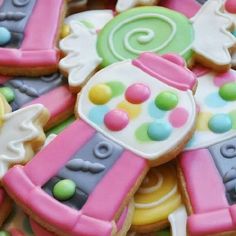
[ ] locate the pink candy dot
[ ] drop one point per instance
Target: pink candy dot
(116, 120)
(137, 93)
(178, 117)
(224, 78)
(230, 6)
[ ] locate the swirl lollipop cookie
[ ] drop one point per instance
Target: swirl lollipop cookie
(21, 53)
(212, 148)
(133, 114)
(158, 199)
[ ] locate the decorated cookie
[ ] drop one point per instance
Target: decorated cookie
(123, 5)
(23, 91)
(21, 134)
(212, 149)
(158, 199)
(133, 114)
(82, 59)
(153, 29)
(213, 42)
(27, 47)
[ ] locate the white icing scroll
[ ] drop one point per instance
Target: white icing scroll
(18, 129)
(123, 5)
(178, 221)
(82, 58)
(212, 36)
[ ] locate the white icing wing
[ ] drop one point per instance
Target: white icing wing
(82, 58)
(212, 36)
(123, 5)
(178, 221)
(19, 129)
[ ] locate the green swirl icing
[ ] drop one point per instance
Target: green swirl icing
(152, 29)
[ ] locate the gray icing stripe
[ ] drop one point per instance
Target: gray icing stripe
(27, 89)
(15, 14)
(224, 156)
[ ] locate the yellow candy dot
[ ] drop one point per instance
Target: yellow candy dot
(100, 94)
(65, 31)
(132, 110)
(202, 121)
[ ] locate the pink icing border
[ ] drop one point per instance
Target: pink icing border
(59, 102)
(187, 7)
(168, 69)
(212, 213)
(32, 53)
(94, 219)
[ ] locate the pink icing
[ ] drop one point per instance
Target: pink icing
(116, 120)
(16, 232)
(199, 183)
(224, 78)
(137, 93)
(211, 212)
(166, 71)
(178, 117)
(199, 70)
(123, 175)
(32, 53)
(187, 7)
(230, 6)
(60, 107)
(120, 223)
(38, 230)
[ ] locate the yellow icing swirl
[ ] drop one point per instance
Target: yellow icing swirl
(157, 197)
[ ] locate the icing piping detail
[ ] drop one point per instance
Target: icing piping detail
(14, 16)
(85, 166)
(20, 3)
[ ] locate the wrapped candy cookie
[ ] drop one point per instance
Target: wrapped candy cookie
(149, 29)
(133, 114)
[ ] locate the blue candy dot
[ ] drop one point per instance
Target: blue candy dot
(155, 112)
(97, 114)
(159, 130)
(220, 123)
(5, 36)
(214, 100)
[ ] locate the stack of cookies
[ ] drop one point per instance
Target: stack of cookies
(117, 118)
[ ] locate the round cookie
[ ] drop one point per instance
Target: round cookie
(157, 199)
(153, 29)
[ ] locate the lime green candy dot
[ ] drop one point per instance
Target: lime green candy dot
(116, 87)
(7, 93)
(4, 233)
(64, 190)
(166, 100)
(228, 91)
(142, 133)
(232, 115)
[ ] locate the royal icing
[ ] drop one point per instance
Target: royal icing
(123, 5)
(24, 91)
(216, 104)
(214, 53)
(142, 123)
(135, 31)
(81, 59)
(19, 23)
(77, 178)
(157, 197)
(18, 129)
(212, 146)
